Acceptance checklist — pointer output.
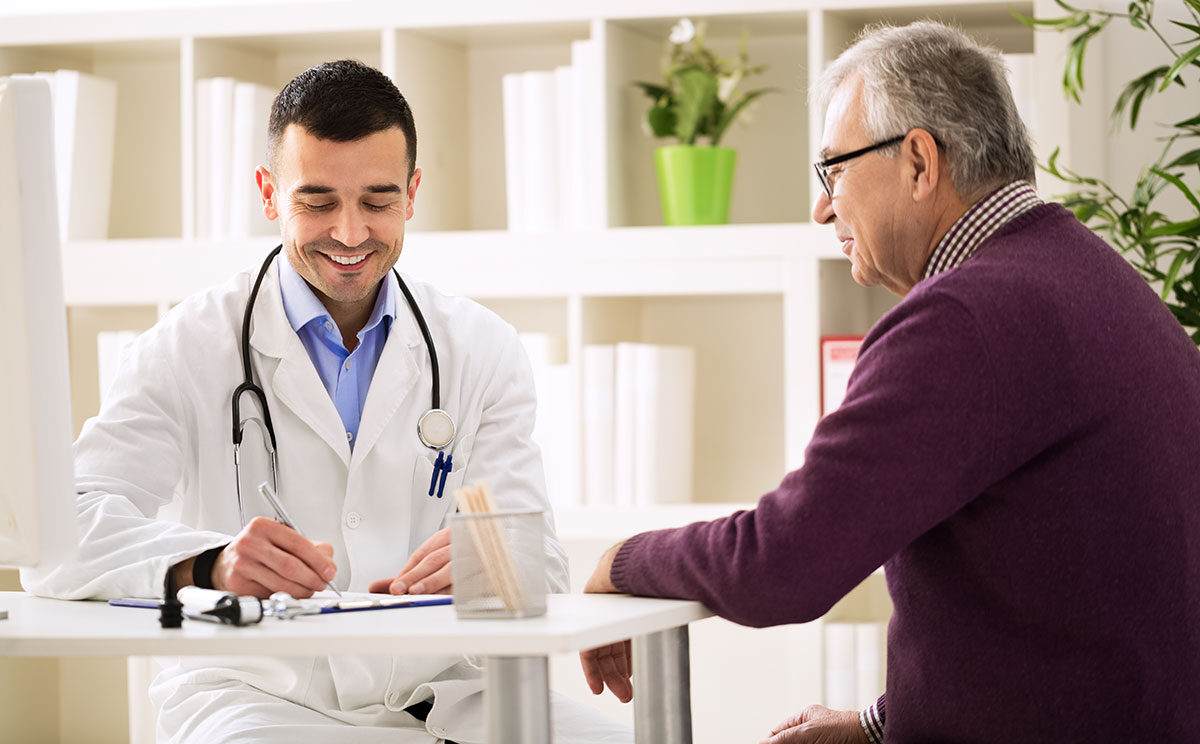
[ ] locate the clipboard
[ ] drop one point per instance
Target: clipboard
(393, 602)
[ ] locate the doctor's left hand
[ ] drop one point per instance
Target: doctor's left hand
(427, 570)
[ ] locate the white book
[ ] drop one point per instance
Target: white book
(220, 124)
(564, 85)
(540, 144)
(591, 174)
(203, 168)
(838, 355)
(870, 644)
(840, 667)
(110, 350)
(251, 109)
(665, 389)
(580, 176)
(557, 433)
(85, 126)
(514, 149)
(625, 424)
(599, 377)
(555, 429)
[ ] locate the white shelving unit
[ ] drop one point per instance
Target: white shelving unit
(753, 297)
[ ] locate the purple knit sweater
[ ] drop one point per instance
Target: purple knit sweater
(1020, 447)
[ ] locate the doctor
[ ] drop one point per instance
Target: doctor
(346, 372)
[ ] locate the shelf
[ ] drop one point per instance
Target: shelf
(642, 261)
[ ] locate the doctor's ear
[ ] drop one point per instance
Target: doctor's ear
(266, 188)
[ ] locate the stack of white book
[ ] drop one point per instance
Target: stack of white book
(85, 126)
(556, 426)
(231, 142)
(554, 169)
(638, 408)
(855, 656)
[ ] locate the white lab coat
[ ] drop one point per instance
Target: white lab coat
(163, 438)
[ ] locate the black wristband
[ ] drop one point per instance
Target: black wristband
(203, 566)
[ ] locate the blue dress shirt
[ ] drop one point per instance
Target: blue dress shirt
(346, 375)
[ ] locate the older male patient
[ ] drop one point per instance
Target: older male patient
(1019, 445)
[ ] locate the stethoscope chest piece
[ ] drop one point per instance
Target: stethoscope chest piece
(436, 429)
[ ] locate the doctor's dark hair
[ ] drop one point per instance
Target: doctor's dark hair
(341, 101)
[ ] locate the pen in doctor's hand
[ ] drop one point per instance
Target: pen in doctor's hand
(268, 493)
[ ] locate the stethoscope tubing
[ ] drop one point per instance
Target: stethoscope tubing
(248, 385)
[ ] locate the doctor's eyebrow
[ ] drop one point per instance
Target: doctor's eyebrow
(376, 188)
(312, 189)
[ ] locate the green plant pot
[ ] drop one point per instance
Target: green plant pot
(694, 183)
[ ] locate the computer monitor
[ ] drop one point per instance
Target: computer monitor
(37, 490)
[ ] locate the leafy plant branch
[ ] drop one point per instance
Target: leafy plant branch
(700, 96)
(1164, 249)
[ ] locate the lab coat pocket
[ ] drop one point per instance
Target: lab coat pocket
(431, 513)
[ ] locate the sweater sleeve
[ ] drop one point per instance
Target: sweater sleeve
(911, 444)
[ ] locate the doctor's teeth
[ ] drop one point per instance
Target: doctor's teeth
(348, 260)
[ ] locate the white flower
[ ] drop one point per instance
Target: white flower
(683, 32)
(726, 86)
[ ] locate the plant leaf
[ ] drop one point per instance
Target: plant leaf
(1189, 228)
(1188, 158)
(662, 121)
(1135, 92)
(1169, 282)
(1189, 26)
(697, 91)
(1185, 59)
(657, 92)
(1178, 183)
(729, 114)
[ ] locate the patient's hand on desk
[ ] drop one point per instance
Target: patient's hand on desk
(268, 557)
(427, 570)
(817, 724)
(610, 665)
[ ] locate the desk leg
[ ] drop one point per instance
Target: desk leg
(517, 691)
(662, 700)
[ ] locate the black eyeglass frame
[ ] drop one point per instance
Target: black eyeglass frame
(822, 167)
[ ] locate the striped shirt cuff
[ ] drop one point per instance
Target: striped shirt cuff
(871, 719)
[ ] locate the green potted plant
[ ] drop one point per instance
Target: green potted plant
(695, 104)
(1164, 248)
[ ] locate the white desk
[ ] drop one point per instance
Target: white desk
(516, 651)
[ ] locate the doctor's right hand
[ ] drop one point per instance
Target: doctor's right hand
(268, 557)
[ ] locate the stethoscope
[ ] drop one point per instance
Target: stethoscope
(435, 428)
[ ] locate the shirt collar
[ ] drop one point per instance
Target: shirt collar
(302, 306)
(978, 223)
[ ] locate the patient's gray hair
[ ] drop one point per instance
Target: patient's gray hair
(935, 77)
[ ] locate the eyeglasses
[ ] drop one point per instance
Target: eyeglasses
(823, 166)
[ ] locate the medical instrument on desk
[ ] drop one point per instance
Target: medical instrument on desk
(286, 607)
(268, 493)
(216, 606)
(435, 428)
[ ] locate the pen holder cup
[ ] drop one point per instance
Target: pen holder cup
(498, 562)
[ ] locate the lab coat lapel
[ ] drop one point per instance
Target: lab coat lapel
(396, 377)
(295, 382)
